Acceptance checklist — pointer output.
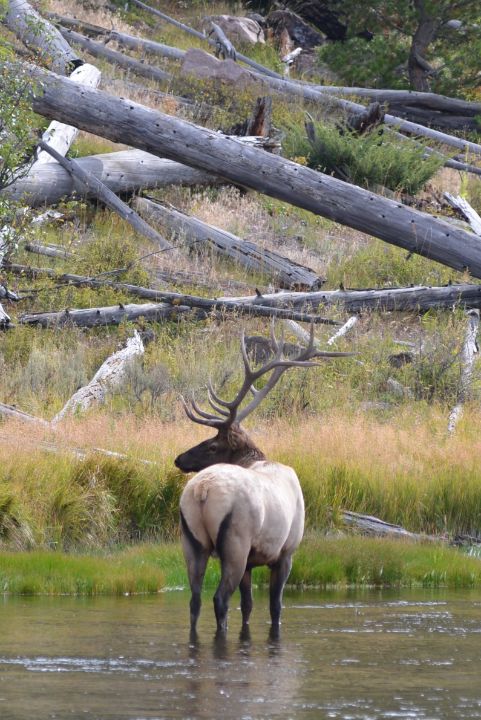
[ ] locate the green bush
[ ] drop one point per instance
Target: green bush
(373, 159)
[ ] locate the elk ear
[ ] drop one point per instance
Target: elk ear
(236, 438)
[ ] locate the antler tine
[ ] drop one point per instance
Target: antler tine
(202, 418)
(215, 401)
(277, 346)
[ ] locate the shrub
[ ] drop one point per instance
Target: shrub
(373, 159)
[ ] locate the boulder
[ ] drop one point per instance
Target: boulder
(199, 64)
(238, 29)
(290, 31)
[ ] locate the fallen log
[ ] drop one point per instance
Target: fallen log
(99, 50)
(459, 203)
(223, 45)
(265, 71)
(122, 172)
(130, 41)
(109, 375)
(410, 299)
(4, 319)
(10, 411)
(205, 305)
(283, 271)
(111, 315)
(54, 251)
(106, 195)
(160, 134)
(370, 525)
(41, 37)
(470, 349)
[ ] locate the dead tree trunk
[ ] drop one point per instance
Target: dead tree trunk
(470, 349)
(109, 375)
(109, 198)
(411, 299)
(99, 50)
(41, 37)
(112, 315)
(123, 172)
(283, 271)
(459, 203)
(160, 134)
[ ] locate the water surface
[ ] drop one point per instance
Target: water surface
(358, 655)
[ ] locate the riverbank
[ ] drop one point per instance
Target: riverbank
(320, 562)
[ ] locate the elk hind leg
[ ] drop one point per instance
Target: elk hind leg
(233, 552)
(196, 558)
(245, 587)
(279, 574)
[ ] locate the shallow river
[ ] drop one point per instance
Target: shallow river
(346, 655)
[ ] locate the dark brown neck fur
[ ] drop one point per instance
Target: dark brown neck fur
(245, 451)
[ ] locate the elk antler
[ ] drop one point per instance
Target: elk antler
(228, 410)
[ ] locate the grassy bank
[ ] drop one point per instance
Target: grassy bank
(408, 472)
(320, 562)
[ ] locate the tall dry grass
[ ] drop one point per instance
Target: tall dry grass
(408, 473)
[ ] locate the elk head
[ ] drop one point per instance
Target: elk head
(232, 444)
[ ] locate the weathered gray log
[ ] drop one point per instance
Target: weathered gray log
(111, 315)
(470, 350)
(106, 195)
(10, 411)
(58, 135)
(110, 374)
(265, 71)
(4, 319)
(286, 272)
(204, 305)
(41, 37)
(223, 45)
(461, 204)
(418, 299)
(161, 134)
(430, 101)
(123, 172)
(99, 50)
(370, 525)
(54, 251)
(130, 41)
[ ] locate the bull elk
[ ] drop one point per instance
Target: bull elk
(242, 507)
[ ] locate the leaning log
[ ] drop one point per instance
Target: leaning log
(99, 50)
(260, 68)
(285, 272)
(123, 172)
(461, 204)
(410, 299)
(110, 374)
(41, 37)
(10, 411)
(130, 41)
(470, 350)
(106, 195)
(158, 133)
(111, 315)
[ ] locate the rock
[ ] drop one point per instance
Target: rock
(291, 31)
(238, 29)
(200, 64)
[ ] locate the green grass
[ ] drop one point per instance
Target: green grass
(320, 562)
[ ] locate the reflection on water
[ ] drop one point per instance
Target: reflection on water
(349, 656)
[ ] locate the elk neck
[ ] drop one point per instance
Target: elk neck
(244, 451)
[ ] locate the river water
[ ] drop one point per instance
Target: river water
(347, 655)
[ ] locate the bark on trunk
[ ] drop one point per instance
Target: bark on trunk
(160, 134)
(123, 172)
(41, 37)
(281, 270)
(417, 299)
(419, 69)
(112, 315)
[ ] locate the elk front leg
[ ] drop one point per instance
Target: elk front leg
(279, 574)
